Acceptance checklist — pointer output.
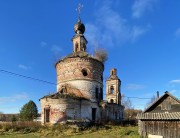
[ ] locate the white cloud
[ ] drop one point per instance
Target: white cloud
(138, 31)
(134, 87)
(109, 28)
(173, 91)
(43, 44)
(21, 66)
(177, 33)
(141, 6)
(56, 49)
(13, 98)
(175, 81)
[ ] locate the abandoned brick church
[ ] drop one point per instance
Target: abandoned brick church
(80, 87)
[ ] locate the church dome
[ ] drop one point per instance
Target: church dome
(79, 27)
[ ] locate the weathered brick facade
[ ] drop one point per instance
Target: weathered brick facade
(70, 70)
(62, 109)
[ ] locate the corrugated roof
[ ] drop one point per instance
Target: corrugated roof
(159, 116)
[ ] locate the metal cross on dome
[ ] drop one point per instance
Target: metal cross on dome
(78, 9)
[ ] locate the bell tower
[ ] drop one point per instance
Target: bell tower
(79, 41)
(113, 84)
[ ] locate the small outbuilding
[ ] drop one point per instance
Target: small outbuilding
(161, 119)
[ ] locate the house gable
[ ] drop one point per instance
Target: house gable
(161, 118)
(166, 103)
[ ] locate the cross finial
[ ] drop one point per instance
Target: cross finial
(78, 9)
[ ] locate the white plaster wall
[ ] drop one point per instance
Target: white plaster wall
(74, 109)
(58, 106)
(87, 111)
(86, 87)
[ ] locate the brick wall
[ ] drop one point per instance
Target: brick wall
(70, 71)
(71, 68)
(63, 109)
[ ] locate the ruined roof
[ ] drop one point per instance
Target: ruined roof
(159, 116)
(58, 95)
(67, 91)
(72, 90)
(80, 54)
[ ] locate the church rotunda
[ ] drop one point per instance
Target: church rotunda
(79, 86)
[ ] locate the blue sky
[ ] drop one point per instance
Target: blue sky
(142, 38)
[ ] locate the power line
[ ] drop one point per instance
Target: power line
(27, 77)
(44, 81)
(137, 97)
(142, 98)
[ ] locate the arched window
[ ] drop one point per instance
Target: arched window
(97, 93)
(101, 94)
(112, 73)
(112, 89)
(63, 90)
(111, 101)
(116, 115)
(76, 47)
(84, 72)
(101, 78)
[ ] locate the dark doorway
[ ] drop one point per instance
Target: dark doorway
(93, 114)
(116, 115)
(111, 101)
(47, 113)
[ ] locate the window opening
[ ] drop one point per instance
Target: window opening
(97, 93)
(111, 101)
(84, 72)
(112, 89)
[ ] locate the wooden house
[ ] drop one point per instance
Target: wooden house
(161, 119)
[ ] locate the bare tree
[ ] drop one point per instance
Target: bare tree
(129, 111)
(101, 55)
(151, 101)
(126, 102)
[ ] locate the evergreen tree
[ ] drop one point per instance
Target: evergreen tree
(29, 111)
(13, 118)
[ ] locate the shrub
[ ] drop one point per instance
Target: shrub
(26, 126)
(101, 55)
(29, 111)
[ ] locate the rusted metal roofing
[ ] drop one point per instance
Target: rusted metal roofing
(159, 116)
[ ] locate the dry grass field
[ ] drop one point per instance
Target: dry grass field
(35, 130)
